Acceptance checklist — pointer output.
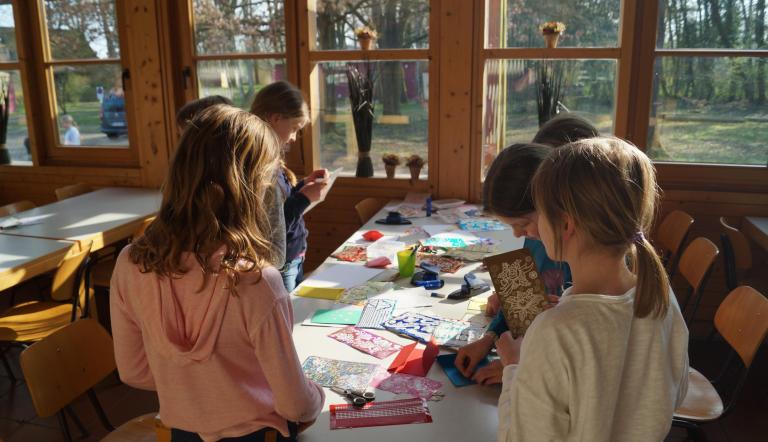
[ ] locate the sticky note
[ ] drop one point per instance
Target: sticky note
(320, 292)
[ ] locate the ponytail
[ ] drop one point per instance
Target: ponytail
(652, 291)
(288, 173)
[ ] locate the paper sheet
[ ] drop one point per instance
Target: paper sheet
(311, 291)
(332, 175)
(340, 276)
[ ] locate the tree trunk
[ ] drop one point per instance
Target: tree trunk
(760, 41)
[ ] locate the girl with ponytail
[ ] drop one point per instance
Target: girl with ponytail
(610, 362)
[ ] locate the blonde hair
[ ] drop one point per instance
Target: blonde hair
(283, 99)
(213, 197)
(608, 187)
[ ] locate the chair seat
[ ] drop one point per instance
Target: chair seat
(34, 320)
(702, 403)
(139, 429)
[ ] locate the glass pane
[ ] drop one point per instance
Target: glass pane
(400, 107)
(399, 24)
(16, 137)
(712, 24)
(7, 33)
(588, 23)
(238, 80)
(709, 110)
(82, 29)
(511, 109)
(229, 26)
(90, 105)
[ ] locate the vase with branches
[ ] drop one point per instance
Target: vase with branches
(414, 163)
(550, 79)
(361, 100)
(391, 161)
(5, 107)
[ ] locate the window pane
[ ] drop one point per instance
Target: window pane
(400, 24)
(711, 24)
(7, 34)
(400, 107)
(588, 23)
(90, 105)
(17, 141)
(588, 89)
(82, 29)
(709, 110)
(228, 26)
(238, 80)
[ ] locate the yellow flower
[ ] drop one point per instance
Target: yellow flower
(552, 27)
(365, 32)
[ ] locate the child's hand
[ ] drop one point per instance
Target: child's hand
(490, 374)
(509, 348)
(471, 354)
(312, 190)
(553, 300)
(493, 305)
(319, 173)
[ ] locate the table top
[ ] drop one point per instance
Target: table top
(22, 258)
(757, 229)
(466, 413)
(103, 216)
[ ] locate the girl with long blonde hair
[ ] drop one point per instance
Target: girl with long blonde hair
(610, 361)
(199, 314)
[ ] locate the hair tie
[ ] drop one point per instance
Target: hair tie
(638, 237)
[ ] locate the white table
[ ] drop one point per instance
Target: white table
(757, 229)
(465, 414)
(104, 216)
(22, 258)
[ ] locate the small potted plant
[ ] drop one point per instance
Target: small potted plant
(391, 161)
(365, 36)
(414, 163)
(551, 31)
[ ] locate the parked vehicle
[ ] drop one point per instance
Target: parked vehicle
(113, 121)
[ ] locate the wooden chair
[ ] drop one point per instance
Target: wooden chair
(737, 255)
(101, 268)
(367, 208)
(742, 320)
(670, 236)
(695, 266)
(83, 355)
(65, 192)
(18, 206)
(32, 321)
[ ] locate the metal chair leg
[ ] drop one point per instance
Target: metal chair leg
(695, 433)
(99, 410)
(7, 366)
(64, 425)
(83, 431)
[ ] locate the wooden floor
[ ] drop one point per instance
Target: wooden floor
(19, 423)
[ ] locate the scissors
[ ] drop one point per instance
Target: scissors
(357, 398)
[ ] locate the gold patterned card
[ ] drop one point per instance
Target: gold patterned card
(519, 286)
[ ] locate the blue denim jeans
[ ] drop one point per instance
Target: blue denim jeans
(293, 273)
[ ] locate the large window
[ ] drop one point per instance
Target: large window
(708, 98)
(16, 136)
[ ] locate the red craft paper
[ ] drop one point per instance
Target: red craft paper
(380, 262)
(415, 361)
(374, 414)
(372, 235)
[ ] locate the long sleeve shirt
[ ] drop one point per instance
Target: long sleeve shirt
(591, 371)
(295, 229)
(222, 365)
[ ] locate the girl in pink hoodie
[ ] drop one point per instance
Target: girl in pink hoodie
(198, 312)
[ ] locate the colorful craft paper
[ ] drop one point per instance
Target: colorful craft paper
(481, 225)
(366, 342)
(415, 360)
(359, 295)
(344, 316)
(448, 363)
(376, 312)
(351, 254)
(401, 383)
(344, 374)
(379, 262)
(319, 292)
(446, 264)
(372, 235)
(414, 325)
(456, 334)
(380, 413)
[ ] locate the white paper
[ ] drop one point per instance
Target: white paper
(340, 276)
(330, 179)
(434, 229)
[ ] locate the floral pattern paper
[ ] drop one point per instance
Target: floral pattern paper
(366, 342)
(455, 334)
(360, 294)
(402, 383)
(351, 254)
(446, 265)
(344, 374)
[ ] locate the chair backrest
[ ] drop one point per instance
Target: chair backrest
(64, 365)
(742, 320)
(69, 274)
(696, 261)
(742, 254)
(65, 192)
(367, 208)
(671, 234)
(18, 206)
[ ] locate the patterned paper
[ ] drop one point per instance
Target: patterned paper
(519, 287)
(359, 295)
(351, 254)
(344, 374)
(451, 333)
(402, 383)
(446, 264)
(481, 225)
(414, 325)
(366, 342)
(379, 413)
(472, 252)
(376, 312)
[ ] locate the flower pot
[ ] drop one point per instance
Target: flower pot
(551, 39)
(390, 169)
(365, 42)
(415, 171)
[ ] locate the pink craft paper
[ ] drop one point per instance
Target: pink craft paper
(366, 342)
(401, 383)
(380, 262)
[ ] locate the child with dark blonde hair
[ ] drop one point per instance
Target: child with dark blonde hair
(199, 314)
(610, 362)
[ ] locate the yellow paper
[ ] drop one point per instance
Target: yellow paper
(332, 294)
(477, 305)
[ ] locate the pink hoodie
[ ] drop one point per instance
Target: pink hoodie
(223, 366)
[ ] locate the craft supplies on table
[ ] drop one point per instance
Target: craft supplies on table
(402, 383)
(329, 293)
(481, 225)
(448, 363)
(366, 342)
(360, 294)
(381, 413)
(415, 359)
(335, 373)
(348, 315)
(376, 312)
(351, 254)
(340, 275)
(416, 326)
